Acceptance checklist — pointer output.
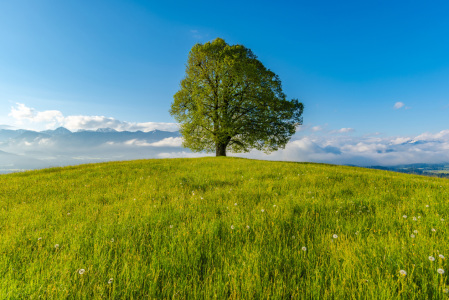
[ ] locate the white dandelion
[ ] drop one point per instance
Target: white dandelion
(81, 271)
(274, 205)
(335, 236)
(112, 240)
(404, 216)
(232, 226)
(110, 280)
(412, 236)
(403, 272)
(415, 219)
(440, 271)
(415, 231)
(304, 249)
(247, 226)
(431, 258)
(433, 230)
(57, 246)
(235, 204)
(441, 256)
(262, 210)
(427, 205)
(171, 226)
(356, 233)
(39, 239)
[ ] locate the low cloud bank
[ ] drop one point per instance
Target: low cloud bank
(49, 119)
(364, 151)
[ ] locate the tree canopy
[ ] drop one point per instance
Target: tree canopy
(228, 100)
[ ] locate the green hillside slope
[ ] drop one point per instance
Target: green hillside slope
(222, 228)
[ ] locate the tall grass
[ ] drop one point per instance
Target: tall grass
(217, 228)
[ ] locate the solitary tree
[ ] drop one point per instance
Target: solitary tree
(228, 100)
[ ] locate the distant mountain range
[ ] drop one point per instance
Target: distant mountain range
(27, 149)
(434, 170)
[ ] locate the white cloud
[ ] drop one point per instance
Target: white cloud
(345, 130)
(317, 128)
(342, 130)
(398, 105)
(168, 142)
(21, 112)
(51, 119)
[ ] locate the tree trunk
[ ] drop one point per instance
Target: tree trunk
(220, 149)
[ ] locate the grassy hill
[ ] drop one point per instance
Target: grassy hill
(222, 228)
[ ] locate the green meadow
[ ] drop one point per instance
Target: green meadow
(222, 228)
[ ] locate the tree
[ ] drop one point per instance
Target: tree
(228, 100)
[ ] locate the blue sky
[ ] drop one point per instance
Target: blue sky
(349, 62)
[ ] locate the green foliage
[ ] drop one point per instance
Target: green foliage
(228, 99)
(166, 229)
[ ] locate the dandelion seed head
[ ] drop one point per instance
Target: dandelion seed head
(171, 226)
(304, 249)
(415, 219)
(262, 210)
(441, 256)
(412, 236)
(440, 271)
(403, 272)
(39, 239)
(404, 216)
(415, 231)
(427, 205)
(112, 240)
(110, 280)
(235, 204)
(247, 226)
(81, 271)
(335, 236)
(433, 230)
(56, 246)
(232, 226)
(356, 233)
(431, 258)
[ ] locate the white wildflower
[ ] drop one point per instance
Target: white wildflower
(431, 258)
(440, 271)
(403, 272)
(110, 280)
(81, 271)
(335, 236)
(304, 249)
